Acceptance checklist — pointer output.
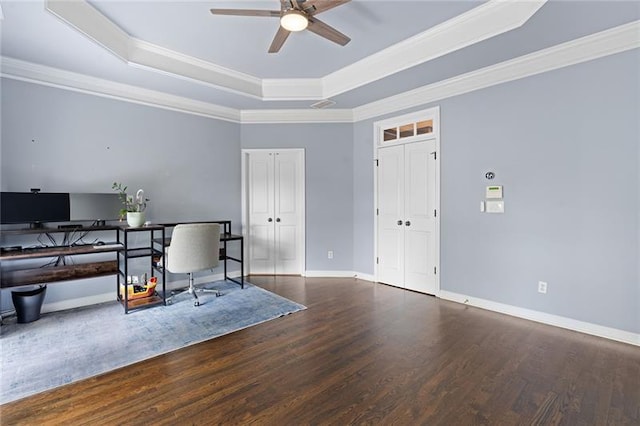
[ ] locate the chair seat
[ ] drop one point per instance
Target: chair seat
(194, 247)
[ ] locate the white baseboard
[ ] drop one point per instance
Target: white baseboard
(541, 317)
(78, 302)
(545, 318)
(329, 274)
(366, 277)
(339, 274)
(110, 296)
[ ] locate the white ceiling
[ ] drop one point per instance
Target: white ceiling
(241, 75)
(241, 43)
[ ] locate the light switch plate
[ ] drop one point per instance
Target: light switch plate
(495, 206)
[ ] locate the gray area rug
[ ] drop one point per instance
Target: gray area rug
(67, 346)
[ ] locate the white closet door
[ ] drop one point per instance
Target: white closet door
(406, 216)
(261, 213)
(391, 215)
(288, 213)
(419, 202)
(275, 204)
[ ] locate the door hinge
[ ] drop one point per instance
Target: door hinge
(377, 163)
(377, 260)
(435, 213)
(377, 212)
(435, 270)
(435, 155)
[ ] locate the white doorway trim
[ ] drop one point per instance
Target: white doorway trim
(378, 138)
(245, 204)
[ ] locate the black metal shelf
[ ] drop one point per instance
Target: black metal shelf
(139, 252)
(148, 251)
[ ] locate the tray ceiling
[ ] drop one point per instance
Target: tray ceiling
(180, 49)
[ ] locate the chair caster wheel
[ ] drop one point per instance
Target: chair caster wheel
(196, 303)
(169, 302)
(218, 294)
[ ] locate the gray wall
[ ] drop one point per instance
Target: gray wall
(363, 197)
(565, 145)
(65, 141)
(329, 185)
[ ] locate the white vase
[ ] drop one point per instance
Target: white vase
(135, 219)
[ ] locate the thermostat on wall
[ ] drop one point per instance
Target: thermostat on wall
(494, 192)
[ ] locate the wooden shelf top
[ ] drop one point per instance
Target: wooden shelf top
(50, 230)
(39, 252)
(49, 274)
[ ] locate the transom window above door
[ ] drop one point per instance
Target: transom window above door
(417, 128)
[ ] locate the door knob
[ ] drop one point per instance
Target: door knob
(399, 222)
(278, 220)
(269, 220)
(407, 223)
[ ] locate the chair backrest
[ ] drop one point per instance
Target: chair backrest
(194, 247)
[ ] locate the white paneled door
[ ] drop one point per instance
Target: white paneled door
(407, 214)
(275, 211)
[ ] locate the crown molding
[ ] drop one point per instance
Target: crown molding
(85, 19)
(39, 74)
(156, 58)
(290, 116)
(608, 42)
(481, 23)
(485, 21)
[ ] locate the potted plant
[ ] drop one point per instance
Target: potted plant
(134, 207)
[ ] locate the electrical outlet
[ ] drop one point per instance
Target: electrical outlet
(542, 287)
(330, 254)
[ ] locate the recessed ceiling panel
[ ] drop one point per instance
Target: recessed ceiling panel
(241, 42)
(30, 33)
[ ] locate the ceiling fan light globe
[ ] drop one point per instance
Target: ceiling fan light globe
(294, 20)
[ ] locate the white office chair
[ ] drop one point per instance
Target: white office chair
(194, 247)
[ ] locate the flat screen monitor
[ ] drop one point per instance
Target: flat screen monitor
(31, 207)
(95, 206)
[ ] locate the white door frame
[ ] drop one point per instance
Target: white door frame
(378, 142)
(245, 210)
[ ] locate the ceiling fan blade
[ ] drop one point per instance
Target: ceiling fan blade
(313, 7)
(278, 40)
(288, 4)
(246, 12)
(326, 31)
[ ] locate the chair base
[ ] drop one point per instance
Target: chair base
(192, 290)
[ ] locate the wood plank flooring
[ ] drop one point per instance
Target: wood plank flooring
(363, 353)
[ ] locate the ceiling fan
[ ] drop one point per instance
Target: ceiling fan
(296, 15)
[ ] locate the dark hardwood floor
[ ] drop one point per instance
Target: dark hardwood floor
(363, 353)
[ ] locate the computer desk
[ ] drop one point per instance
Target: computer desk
(225, 237)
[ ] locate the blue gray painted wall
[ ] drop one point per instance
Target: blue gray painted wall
(565, 145)
(59, 140)
(328, 185)
(363, 198)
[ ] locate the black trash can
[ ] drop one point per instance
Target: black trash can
(28, 304)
